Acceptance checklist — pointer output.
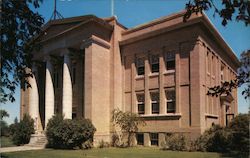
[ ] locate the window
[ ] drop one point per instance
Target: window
(170, 61)
(208, 63)
(140, 66)
(140, 138)
(140, 103)
(154, 63)
(222, 73)
(154, 138)
(170, 96)
(155, 102)
(74, 115)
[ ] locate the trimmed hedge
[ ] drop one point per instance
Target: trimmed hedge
(68, 134)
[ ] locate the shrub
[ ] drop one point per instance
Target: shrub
(21, 132)
(233, 139)
(174, 142)
(4, 128)
(239, 128)
(103, 144)
(68, 134)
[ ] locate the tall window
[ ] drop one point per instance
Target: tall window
(208, 63)
(140, 66)
(140, 138)
(154, 63)
(155, 102)
(170, 61)
(222, 73)
(140, 103)
(154, 138)
(170, 96)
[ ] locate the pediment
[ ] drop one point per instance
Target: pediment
(60, 26)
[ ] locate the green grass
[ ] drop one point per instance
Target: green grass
(142, 152)
(6, 142)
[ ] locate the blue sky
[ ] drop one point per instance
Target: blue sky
(135, 12)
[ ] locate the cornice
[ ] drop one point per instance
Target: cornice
(96, 40)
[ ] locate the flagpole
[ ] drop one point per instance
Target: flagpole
(112, 7)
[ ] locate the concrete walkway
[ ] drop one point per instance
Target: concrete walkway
(19, 148)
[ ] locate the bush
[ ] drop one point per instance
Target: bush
(68, 134)
(239, 128)
(21, 132)
(4, 128)
(231, 139)
(174, 142)
(103, 144)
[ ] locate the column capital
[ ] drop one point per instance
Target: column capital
(64, 52)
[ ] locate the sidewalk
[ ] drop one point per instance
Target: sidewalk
(19, 148)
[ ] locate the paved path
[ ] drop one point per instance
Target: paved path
(19, 148)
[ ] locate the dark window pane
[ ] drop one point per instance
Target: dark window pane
(171, 65)
(154, 138)
(155, 67)
(140, 70)
(140, 139)
(155, 108)
(141, 108)
(73, 115)
(171, 107)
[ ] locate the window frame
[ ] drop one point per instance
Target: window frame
(140, 66)
(155, 140)
(137, 138)
(155, 102)
(170, 57)
(140, 102)
(172, 101)
(155, 63)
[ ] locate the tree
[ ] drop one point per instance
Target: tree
(230, 7)
(3, 125)
(68, 134)
(128, 122)
(3, 114)
(21, 131)
(18, 26)
(226, 13)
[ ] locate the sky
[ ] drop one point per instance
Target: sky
(131, 13)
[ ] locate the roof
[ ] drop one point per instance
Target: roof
(67, 24)
(200, 18)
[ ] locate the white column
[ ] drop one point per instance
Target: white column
(67, 89)
(49, 93)
(34, 99)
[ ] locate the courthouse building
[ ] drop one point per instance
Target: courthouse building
(89, 66)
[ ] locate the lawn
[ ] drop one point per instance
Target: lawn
(6, 142)
(142, 152)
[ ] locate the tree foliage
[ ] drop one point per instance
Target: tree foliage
(229, 8)
(19, 24)
(231, 139)
(3, 113)
(240, 8)
(128, 122)
(20, 132)
(4, 129)
(68, 134)
(242, 78)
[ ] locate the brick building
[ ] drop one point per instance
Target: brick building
(88, 66)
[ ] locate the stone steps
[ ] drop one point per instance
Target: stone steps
(37, 140)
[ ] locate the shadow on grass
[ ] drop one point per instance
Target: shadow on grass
(235, 155)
